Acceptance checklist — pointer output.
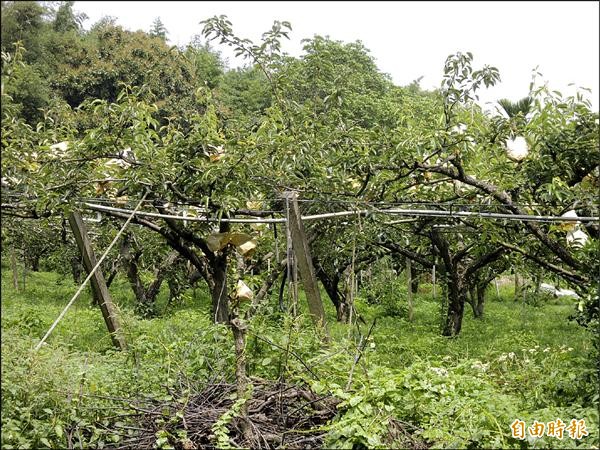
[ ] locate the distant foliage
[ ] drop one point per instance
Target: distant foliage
(158, 29)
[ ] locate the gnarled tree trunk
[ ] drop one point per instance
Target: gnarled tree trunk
(455, 285)
(480, 301)
(456, 302)
(218, 288)
(331, 285)
(76, 269)
(35, 263)
(477, 299)
(145, 295)
(414, 279)
(472, 299)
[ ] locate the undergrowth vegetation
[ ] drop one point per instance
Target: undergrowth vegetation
(410, 387)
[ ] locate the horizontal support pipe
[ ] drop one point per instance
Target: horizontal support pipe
(486, 215)
(95, 207)
(401, 212)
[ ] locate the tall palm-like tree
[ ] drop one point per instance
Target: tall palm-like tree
(512, 109)
(517, 147)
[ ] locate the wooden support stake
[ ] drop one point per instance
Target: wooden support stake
(24, 270)
(433, 278)
(99, 289)
(291, 269)
(15, 273)
(409, 284)
(277, 259)
(304, 260)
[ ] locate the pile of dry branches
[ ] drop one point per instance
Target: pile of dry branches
(279, 415)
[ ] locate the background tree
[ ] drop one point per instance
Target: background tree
(208, 64)
(158, 29)
(66, 20)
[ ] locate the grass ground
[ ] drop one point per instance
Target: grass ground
(519, 361)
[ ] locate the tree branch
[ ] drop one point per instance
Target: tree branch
(485, 260)
(570, 276)
(407, 253)
(505, 199)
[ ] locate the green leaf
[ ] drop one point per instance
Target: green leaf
(355, 400)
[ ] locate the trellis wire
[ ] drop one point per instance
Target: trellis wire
(397, 211)
(327, 200)
(330, 200)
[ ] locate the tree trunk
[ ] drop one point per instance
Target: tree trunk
(414, 279)
(35, 263)
(480, 300)
(114, 270)
(145, 296)
(456, 304)
(472, 299)
(238, 329)
(159, 276)
(537, 279)
(143, 304)
(342, 311)
(331, 285)
(174, 290)
(456, 287)
(518, 286)
(76, 269)
(241, 265)
(220, 308)
(111, 277)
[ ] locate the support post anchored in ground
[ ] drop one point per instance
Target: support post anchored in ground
(107, 307)
(409, 288)
(292, 266)
(305, 266)
(99, 288)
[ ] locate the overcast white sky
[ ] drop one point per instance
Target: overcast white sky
(408, 39)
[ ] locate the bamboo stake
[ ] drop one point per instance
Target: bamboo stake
(433, 281)
(409, 285)
(90, 275)
(410, 294)
(15, 273)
